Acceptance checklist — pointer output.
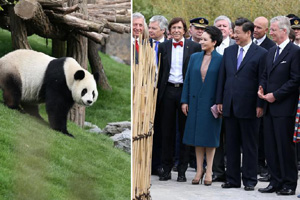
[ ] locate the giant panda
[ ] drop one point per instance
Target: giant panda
(28, 78)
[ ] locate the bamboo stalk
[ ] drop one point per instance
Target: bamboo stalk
(144, 104)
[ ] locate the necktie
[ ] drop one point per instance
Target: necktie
(277, 53)
(255, 42)
(240, 58)
(136, 45)
(156, 50)
(178, 43)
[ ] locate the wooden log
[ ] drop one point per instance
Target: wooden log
(18, 31)
(96, 37)
(96, 65)
(106, 31)
(37, 20)
(116, 27)
(123, 19)
(77, 48)
(66, 10)
(52, 3)
(76, 22)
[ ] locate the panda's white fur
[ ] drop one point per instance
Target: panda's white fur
(28, 77)
(70, 68)
(31, 66)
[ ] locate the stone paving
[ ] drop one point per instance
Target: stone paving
(173, 190)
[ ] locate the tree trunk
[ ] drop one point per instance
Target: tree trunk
(96, 65)
(58, 48)
(18, 31)
(77, 48)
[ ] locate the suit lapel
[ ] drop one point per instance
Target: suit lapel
(248, 55)
(169, 54)
(281, 55)
(234, 57)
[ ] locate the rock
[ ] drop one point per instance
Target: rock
(116, 127)
(119, 60)
(92, 128)
(123, 140)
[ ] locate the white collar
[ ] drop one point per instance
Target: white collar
(161, 40)
(260, 40)
(283, 44)
(226, 41)
(246, 47)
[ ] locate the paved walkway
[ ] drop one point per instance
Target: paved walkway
(173, 190)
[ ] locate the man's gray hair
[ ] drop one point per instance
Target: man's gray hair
(223, 17)
(163, 22)
(283, 23)
(138, 15)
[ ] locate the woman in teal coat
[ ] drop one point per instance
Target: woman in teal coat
(202, 130)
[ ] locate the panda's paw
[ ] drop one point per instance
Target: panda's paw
(70, 135)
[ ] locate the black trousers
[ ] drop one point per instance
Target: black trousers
(261, 148)
(157, 140)
(241, 134)
(169, 106)
(280, 151)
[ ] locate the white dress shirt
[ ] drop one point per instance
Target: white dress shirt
(259, 41)
(282, 46)
(225, 43)
(245, 49)
(176, 63)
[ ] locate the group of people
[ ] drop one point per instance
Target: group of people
(226, 83)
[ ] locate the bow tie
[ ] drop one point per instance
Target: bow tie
(178, 43)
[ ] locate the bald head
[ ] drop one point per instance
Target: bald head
(260, 27)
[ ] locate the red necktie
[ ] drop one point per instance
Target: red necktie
(178, 43)
(136, 46)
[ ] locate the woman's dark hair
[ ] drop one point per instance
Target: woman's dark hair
(215, 34)
(175, 21)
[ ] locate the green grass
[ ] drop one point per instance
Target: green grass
(39, 163)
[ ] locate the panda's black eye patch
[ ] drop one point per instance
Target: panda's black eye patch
(83, 92)
(93, 94)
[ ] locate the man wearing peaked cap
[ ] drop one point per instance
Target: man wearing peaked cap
(295, 25)
(197, 26)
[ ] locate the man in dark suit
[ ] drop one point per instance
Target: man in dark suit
(175, 56)
(260, 33)
(138, 26)
(279, 88)
(237, 100)
(158, 26)
(223, 23)
(260, 38)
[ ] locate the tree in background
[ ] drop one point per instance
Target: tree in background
(189, 9)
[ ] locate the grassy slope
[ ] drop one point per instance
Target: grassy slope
(39, 163)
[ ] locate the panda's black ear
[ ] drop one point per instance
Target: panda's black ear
(96, 76)
(79, 75)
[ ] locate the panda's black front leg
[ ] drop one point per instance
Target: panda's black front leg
(57, 115)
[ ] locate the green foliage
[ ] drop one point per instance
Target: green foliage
(189, 9)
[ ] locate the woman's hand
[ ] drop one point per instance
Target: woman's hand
(185, 109)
